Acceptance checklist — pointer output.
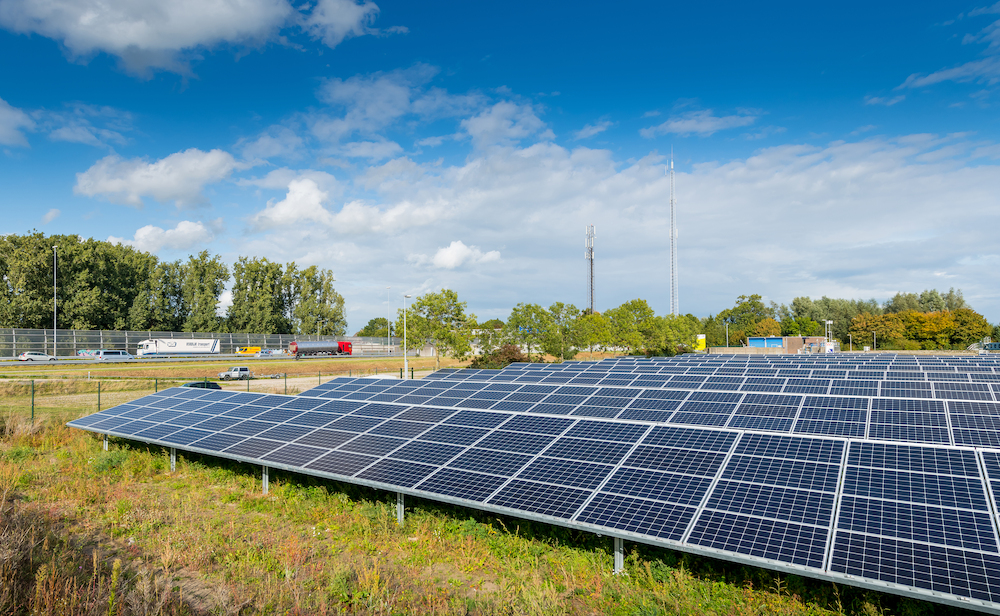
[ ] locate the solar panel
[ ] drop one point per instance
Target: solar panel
(828, 479)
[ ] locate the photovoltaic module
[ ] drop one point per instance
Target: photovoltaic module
(872, 470)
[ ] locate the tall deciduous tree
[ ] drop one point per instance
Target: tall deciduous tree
(595, 331)
(439, 319)
(259, 298)
(563, 340)
(530, 325)
(315, 304)
(205, 278)
(634, 327)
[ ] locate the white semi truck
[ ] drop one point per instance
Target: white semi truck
(178, 346)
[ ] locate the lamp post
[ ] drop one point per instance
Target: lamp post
(388, 315)
(55, 332)
(406, 364)
(851, 338)
(874, 342)
(727, 335)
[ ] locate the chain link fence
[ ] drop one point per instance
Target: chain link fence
(70, 342)
(27, 402)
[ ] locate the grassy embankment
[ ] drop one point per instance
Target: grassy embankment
(83, 531)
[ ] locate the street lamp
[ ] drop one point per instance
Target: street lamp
(406, 365)
(851, 338)
(388, 315)
(874, 342)
(55, 332)
(727, 335)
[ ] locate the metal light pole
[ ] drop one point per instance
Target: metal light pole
(55, 332)
(851, 338)
(388, 315)
(874, 342)
(727, 335)
(406, 364)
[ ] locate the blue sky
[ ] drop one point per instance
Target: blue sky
(847, 151)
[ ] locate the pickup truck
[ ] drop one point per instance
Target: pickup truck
(237, 372)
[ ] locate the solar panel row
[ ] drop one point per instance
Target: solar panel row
(914, 519)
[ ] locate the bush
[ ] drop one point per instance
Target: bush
(501, 358)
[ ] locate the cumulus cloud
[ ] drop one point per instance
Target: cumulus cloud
(12, 122)
(147, 34)
(302, 204)
(505, 123)
(279, 179)
(50, 216)
(373, 150)
(591, 129)
(702, 123)
(180, 177)
(184, 236)
(456, 255)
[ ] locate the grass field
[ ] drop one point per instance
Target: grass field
(84, 531)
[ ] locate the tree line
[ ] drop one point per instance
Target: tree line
(109, 286)
(907, 321)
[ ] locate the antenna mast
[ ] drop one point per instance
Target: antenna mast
(674, 304)
(589, 255)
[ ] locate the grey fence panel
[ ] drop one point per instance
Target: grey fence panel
(70, 342)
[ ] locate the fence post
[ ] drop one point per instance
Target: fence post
(400, 373)
(248, 385)
(286, 383)
(156, 385)
(98, 396)
(319, 378)
(411, 374)
(32, 403)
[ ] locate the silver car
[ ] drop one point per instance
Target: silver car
(35, 356)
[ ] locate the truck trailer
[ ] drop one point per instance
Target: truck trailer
(323, 347)
(178, 346)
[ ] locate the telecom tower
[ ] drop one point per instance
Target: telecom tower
(589, 255)
(674, 304)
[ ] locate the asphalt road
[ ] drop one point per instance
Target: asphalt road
(76, 361)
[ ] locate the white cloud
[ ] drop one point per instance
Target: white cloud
(456, 255)
(12, 122)
(374, 150)
(184, 236)
(276, 142)
(531, 204)
(332, 21)
(884, 100)
(505, 123)
(591, 129)
(702, 123)
(180, 177)
(985, 70)
(279, 179)
(148, 34)
(303, 204)
(50, 216)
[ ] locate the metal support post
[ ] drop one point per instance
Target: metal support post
(105, 442)
(286, 383)
(156, 385)
(173, 459)
(411, 374)
(32, 402)
(399, 508)
(98, 396)
(400, 373)
(619, 556)
(265, 479)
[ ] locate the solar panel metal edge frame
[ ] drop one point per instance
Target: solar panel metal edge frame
(776, 565)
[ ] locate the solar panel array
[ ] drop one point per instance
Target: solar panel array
(873, 489)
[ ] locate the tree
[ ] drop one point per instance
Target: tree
(490, 335)
(529, 324)
(970, 326)
(633, 326)
(259, 298)
(160, 304)
(748, 311)
(500, 358)
(678, 332)
(376, 328)
(594, 331)
(563, 340)
(766, 327)
(887, 328)
(315, 305)
(204, 280)
(440, 320)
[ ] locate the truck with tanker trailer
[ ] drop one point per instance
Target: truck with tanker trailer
(319, 347)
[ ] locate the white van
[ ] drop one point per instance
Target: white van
(111, 355)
